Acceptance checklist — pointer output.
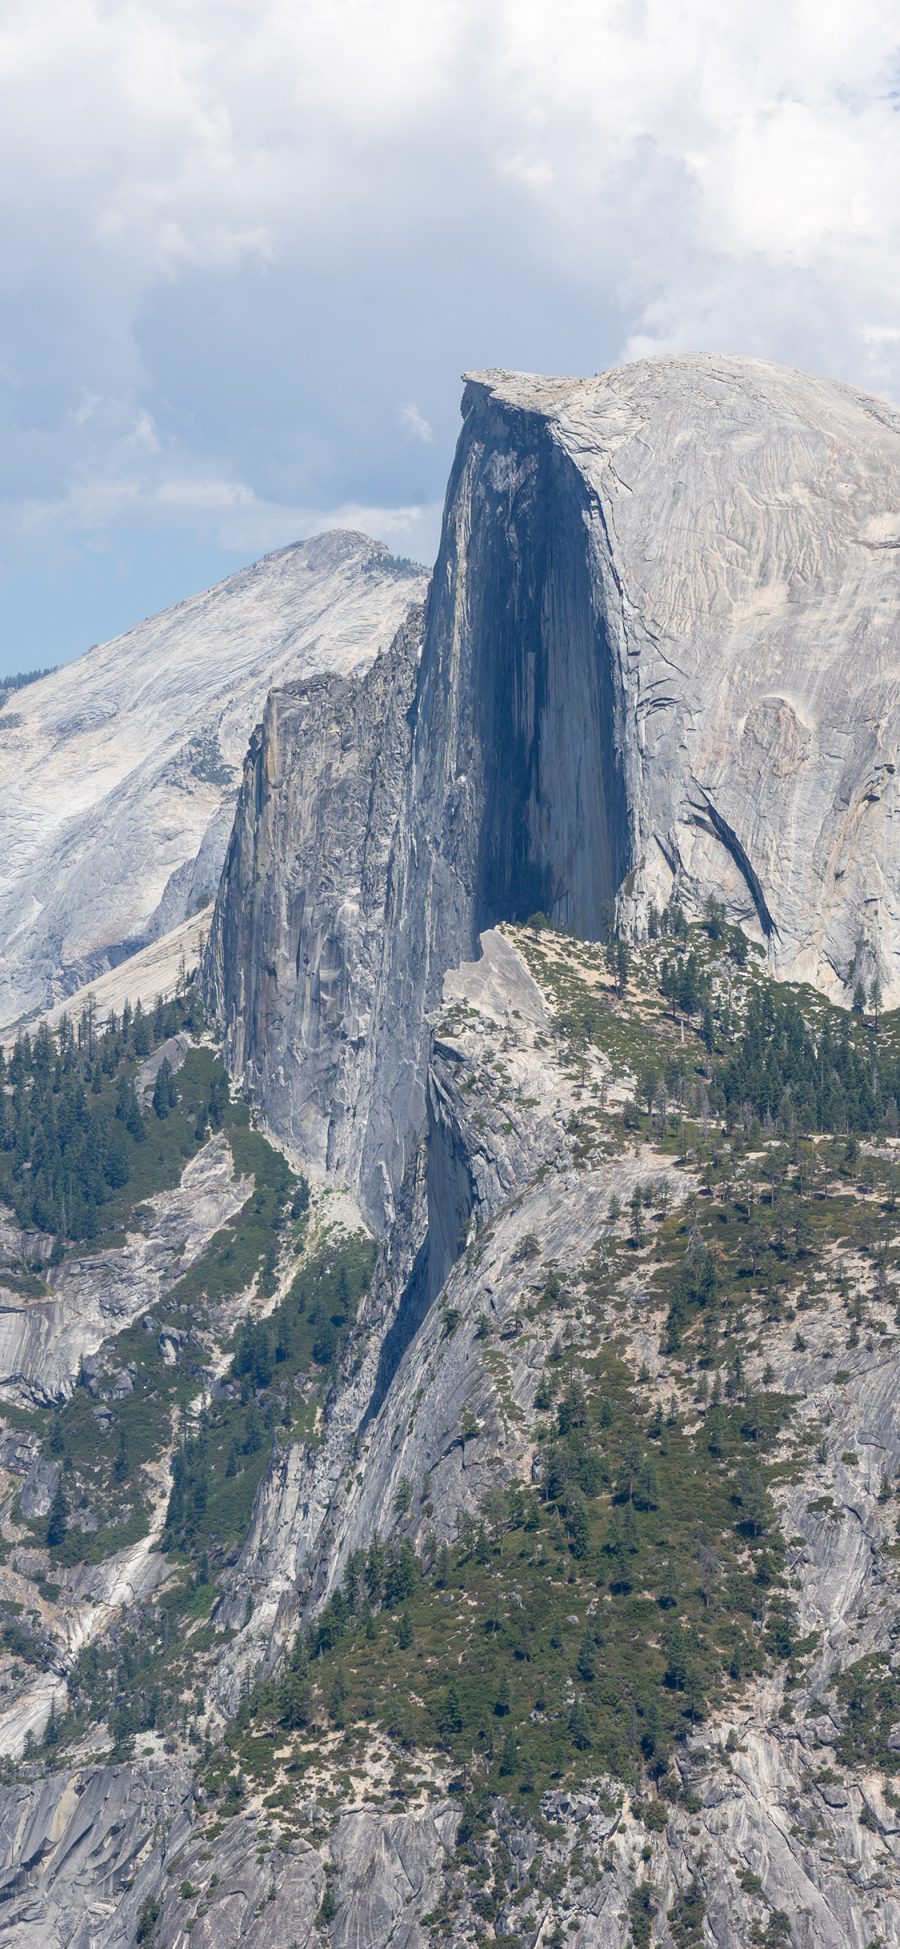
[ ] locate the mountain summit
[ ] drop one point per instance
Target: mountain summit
(659, 657)
(732, 528)
(118, 772)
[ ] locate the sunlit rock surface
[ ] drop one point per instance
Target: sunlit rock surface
(118, 772)
(660, 653)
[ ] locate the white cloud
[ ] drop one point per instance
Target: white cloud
(415, 423)
(226, 511)
(427, 182)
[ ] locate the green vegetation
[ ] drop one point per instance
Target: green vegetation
(103, 1465)
(216, 1468)
(581, 1623)
(827, 1076)
(769, 1051)
(869, 1696)
(104, 1436)
(77, 1151)
(278, 1371)
(22, 677)
(581, 1626)
(584, 1625)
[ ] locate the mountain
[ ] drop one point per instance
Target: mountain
(449, 1450)
(660, 654)
(118, 771)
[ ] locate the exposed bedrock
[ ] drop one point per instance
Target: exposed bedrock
(299, 960)
(384, 822)
(119, 771)
(660, 652)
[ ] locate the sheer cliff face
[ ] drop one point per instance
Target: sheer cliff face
(660, 654)
(299, 962)
(519, 751)
(383, 823)
(745, 533)
(118, 773)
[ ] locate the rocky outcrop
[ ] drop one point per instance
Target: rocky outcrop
(300, 963)
(437, 1395)
(79, 1857)
(70, 1846)
(660, 655)
(657, 655)
(118, 772)
(45, 1337)
(495, 1174)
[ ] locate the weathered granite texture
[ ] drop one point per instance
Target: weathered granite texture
(118, 772)
(634, 570)
(44, 1340)
(79, 1856)
(300, 963)
(775, 1824)
(660, 653)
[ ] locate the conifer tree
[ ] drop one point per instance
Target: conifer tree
(58, 1518)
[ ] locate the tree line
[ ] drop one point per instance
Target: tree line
(70, 1119)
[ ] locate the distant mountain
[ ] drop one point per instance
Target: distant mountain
(118, 772)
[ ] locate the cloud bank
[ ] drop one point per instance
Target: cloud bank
(248, 247)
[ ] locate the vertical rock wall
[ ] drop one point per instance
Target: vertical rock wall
(385, 821)
(661, 652)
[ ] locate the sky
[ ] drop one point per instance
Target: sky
(247, 247)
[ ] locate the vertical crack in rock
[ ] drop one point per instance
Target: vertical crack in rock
(732, 844)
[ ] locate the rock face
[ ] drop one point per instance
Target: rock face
(660, 654)
(77, 1857)
(521, 1176)
(118, 772)
(44, 1340)
(657, 655)
(301, 960)
(772, 1828)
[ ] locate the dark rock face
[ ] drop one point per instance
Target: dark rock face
(520, 702)
(385, 821)
(659, 655)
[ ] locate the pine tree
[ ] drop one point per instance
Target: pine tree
(162, 1100)
(293, 1700)
(58, 1518)
(121, 1464)
(646, 1488)
(577, 1526)
(117, 1166)
(579, 1726)
(509, 1756)
(450, 1718)
(715, 1429)
(622, 966)
(586, 1662)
